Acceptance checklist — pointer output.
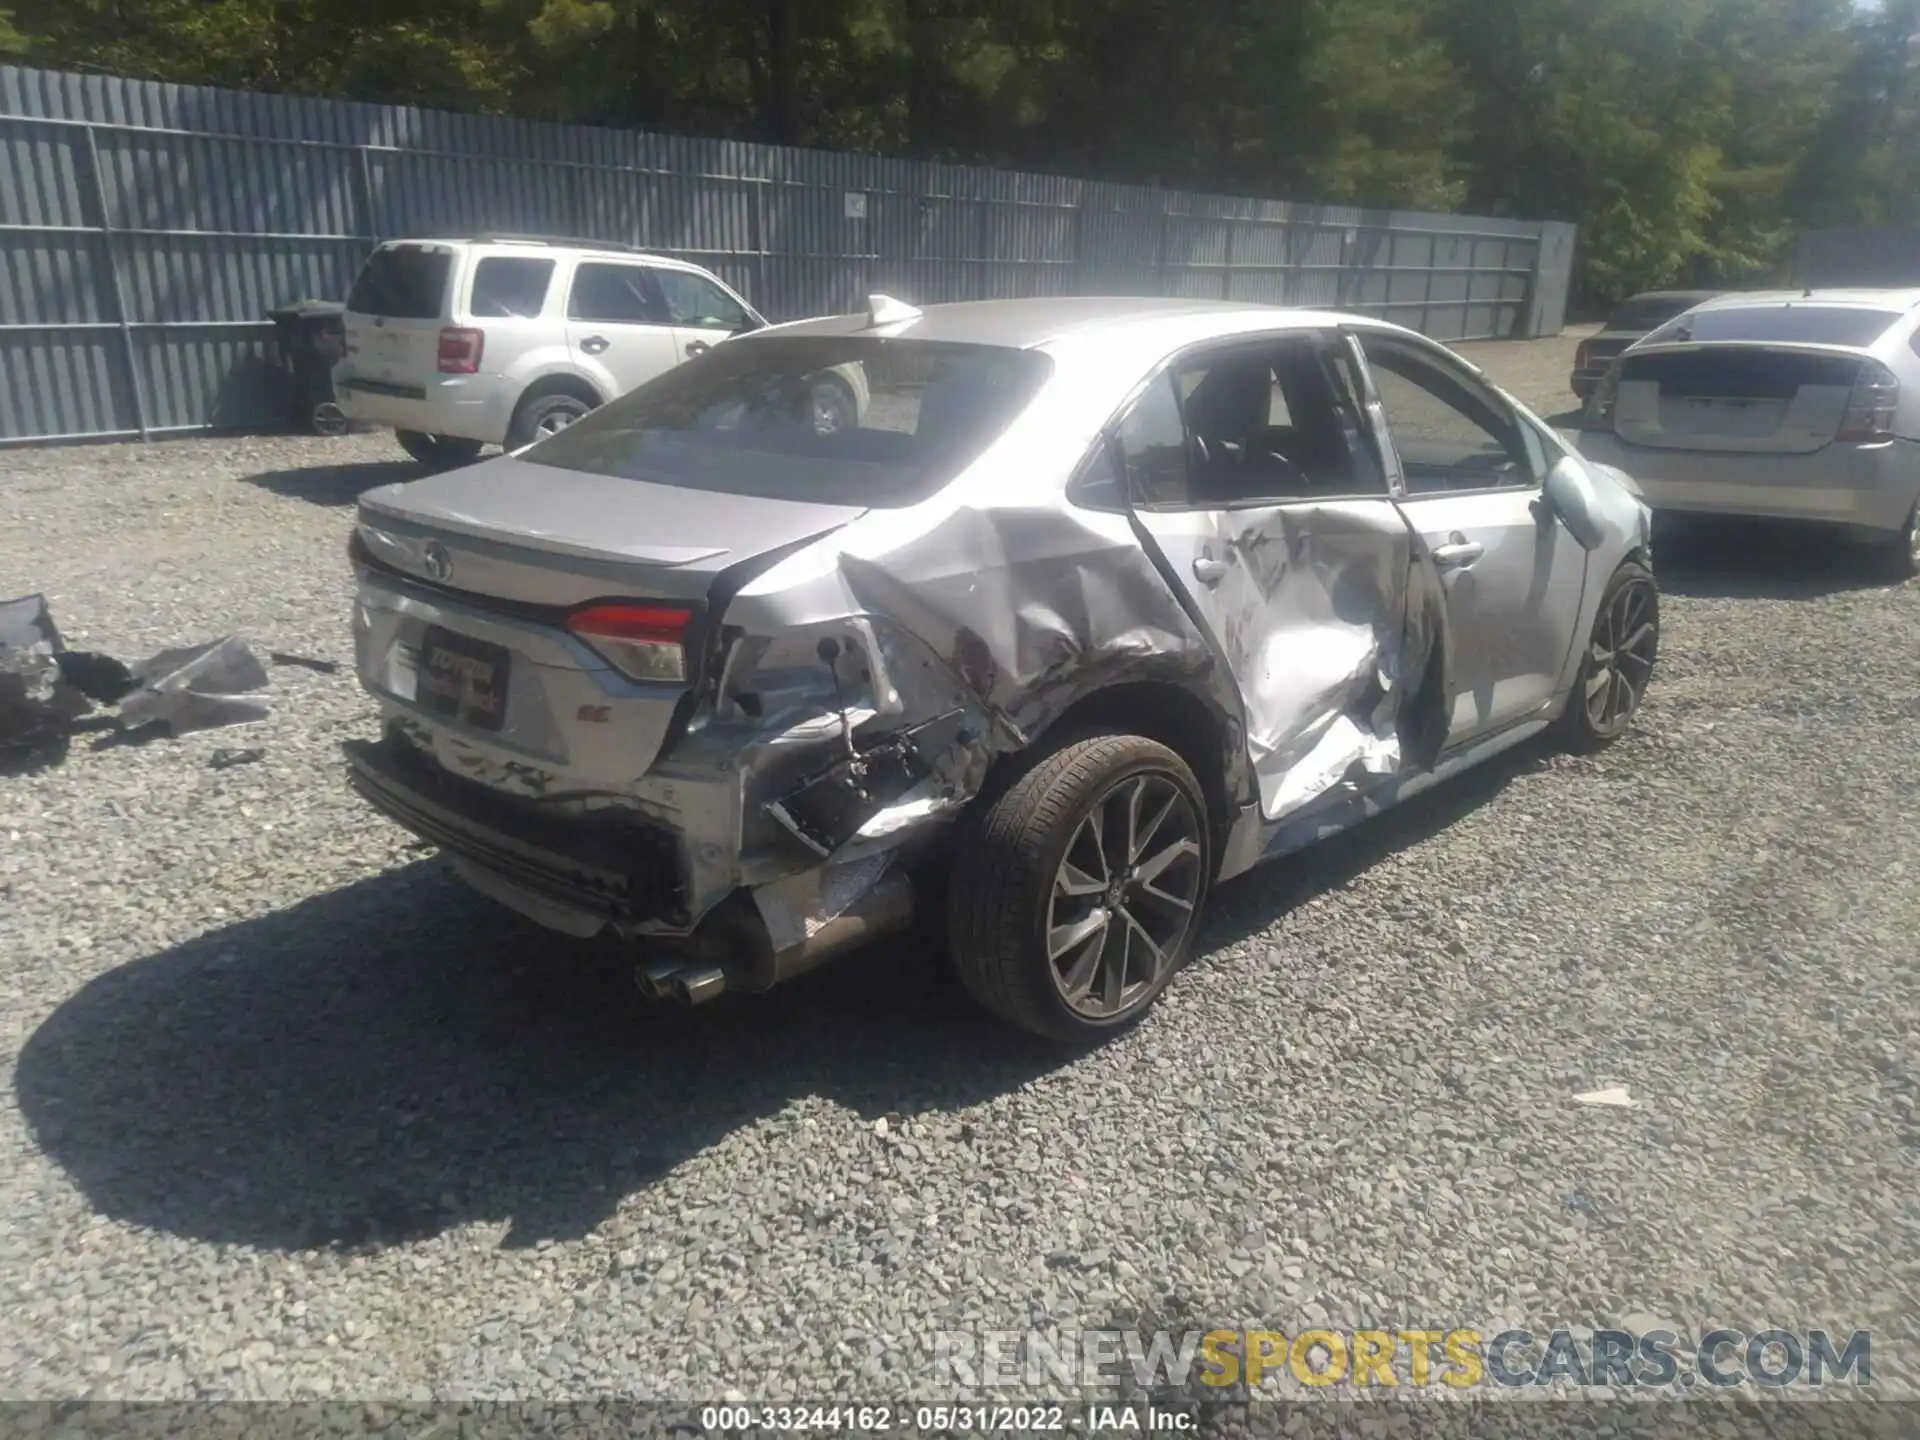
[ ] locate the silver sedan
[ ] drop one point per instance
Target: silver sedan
(1099, 603)
(1789, 406)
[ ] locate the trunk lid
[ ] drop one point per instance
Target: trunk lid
(395, 314)
(1759, 399)
(500, 554)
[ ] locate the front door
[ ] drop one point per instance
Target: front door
(617, 330)
(1514, 577)
(1247, 472)
(702, 313)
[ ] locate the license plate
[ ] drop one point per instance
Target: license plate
(463, 679)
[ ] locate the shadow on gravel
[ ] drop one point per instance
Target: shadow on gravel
(397, 1057)
(1758, 560)
(335, 485)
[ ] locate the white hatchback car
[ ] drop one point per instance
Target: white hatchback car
(500, 340)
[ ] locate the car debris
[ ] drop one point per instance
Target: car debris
(37, 708)
(225, 759)
(46, 689)
(305, 662)
(100, 678)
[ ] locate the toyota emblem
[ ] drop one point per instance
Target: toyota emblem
(435, 560)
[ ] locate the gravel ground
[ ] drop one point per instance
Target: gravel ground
(290, 1114)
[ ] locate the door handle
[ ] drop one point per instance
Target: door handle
(594, 344)
(1459, 555)
(1209, 571)
(698, 347)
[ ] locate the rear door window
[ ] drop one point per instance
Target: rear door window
(402, 282)
(1272, 422)
(510, 287)
(613, 294)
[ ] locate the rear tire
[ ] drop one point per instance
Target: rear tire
(437, 452)
(1902, 553)
(1618, 663)
(543, 415)
(1076, 895)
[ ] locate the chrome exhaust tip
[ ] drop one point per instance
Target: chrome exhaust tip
(699, 986)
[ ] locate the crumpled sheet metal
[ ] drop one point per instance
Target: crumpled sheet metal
(1315, 622)
(198, 687)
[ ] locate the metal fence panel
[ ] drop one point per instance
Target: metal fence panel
(146, 229)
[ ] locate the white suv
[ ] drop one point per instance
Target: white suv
(500, 340)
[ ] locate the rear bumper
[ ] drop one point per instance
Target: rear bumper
(618, 869)
(1870, 487)
(473, 407)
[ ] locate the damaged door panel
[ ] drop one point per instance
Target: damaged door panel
(1250, 478)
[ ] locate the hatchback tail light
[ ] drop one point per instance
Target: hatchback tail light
(642, 642)
(1872, 405)
(460, 350)
(1606, 395)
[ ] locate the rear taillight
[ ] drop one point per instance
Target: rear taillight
(1871, 406)
(1606, 395)
(1583, 355)
(642, 642)
(460, 350)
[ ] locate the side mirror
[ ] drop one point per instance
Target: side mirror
(748, 325)
(1571, 495)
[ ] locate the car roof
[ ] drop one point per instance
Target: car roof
(1028, 324)
(601, 250)
(1898, 301)
(1696, 296)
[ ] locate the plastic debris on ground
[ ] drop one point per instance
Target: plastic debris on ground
(200, 687)
(45, 688)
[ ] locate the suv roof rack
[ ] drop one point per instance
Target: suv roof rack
(503, 237)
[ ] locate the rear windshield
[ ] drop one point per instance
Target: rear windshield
(402, 282)
(853, 420)
(1646, 312)
(1786, 324)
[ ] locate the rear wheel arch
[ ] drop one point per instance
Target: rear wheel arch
(1158, 710)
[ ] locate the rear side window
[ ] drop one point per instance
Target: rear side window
(1783, 324)
(510, 287)
(615, 295)
(402, 282)
(842, 420)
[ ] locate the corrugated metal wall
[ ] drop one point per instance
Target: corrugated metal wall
(145, 230)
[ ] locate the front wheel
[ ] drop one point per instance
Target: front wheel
(1076, 895)
(1618, 664)
(437, 452)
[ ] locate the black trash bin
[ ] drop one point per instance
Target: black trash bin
(312, 337)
